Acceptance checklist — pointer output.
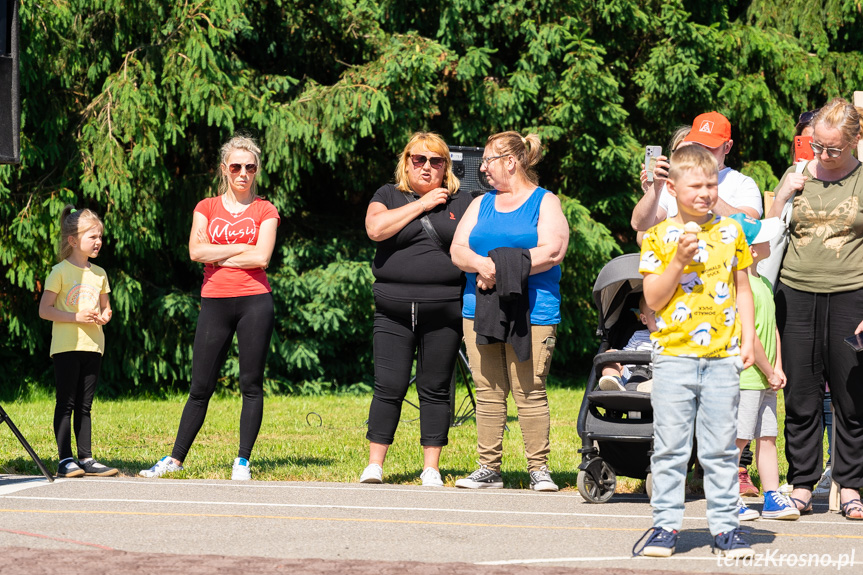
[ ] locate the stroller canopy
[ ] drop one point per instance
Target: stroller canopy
(616, 280)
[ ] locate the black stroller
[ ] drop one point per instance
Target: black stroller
(616, 427)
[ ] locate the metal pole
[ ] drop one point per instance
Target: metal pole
(4, 418)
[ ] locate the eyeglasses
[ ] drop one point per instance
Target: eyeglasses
(487, 161)
(235, 168)
(831, 152)
(419, 161)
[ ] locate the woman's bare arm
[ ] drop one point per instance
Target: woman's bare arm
(203, 251)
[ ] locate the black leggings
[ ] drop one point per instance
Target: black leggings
(75, 376)
(812, 327)
(252, 318)
(432, 331)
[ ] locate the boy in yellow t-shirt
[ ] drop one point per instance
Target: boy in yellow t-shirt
(694, 268)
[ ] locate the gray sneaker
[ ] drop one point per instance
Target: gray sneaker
(823, 487)
(163, 466)
(482, 478)
(540, 480)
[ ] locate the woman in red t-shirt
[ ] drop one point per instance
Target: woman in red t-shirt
(233, 235)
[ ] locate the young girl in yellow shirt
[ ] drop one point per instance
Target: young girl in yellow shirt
(76, 300)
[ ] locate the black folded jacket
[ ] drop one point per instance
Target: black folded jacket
(503, 313)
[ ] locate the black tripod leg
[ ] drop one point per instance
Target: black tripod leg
(465, 371)
(461, 413)
(412, 404)
(4, 418)
(452, 407)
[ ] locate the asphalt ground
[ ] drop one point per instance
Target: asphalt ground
(447, 530)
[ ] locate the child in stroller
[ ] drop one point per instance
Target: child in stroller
(631, 377)
(616, 426)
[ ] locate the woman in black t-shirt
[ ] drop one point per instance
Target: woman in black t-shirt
(417, 299)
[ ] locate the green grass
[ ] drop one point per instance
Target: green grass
(132, 434)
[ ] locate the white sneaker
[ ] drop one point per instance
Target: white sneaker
(431, 477)
(241, 470)
(610, 383)
(823, 487)
(746, 513)
(163, 466)
(373, 473)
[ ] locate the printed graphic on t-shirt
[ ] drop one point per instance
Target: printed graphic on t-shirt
(242, 231)
(700, 319)
(834, 228)
(82, 296)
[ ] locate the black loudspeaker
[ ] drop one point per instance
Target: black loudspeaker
(465, 165)
(10, 96)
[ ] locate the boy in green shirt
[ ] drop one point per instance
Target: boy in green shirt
(756, 414)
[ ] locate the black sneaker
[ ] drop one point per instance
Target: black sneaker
(482, 478)
(660, 543)
(732, 544)
(93, 467)
(69, 468)
(540, 480)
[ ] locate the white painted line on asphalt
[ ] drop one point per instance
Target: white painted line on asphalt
(338, 487)
(556, 560)
(720, 561)
(16, 485)
(160, 502)
(621, 498)
(379, 508)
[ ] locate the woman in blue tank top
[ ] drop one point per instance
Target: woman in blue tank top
(516, 214)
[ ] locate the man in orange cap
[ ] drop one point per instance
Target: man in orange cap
(737, 193)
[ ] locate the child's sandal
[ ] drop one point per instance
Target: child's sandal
(855, 507)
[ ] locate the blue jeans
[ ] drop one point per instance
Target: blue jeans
(702, 393)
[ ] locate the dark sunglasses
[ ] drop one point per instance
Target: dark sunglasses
(420, 161)
(806, 117)
(235, 168)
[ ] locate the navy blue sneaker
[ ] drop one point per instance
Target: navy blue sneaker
(660, 543)
(732, 544)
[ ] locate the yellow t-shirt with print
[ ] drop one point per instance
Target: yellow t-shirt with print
(77, 289)
(700, 319)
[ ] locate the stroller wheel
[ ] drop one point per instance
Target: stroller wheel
(597, 489)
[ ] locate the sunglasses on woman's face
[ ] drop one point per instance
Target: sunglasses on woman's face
(419, 161)
(235, 168)
(831, 152)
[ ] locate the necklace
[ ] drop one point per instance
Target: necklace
(235, 212)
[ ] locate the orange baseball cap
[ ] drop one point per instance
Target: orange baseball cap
(711, 129)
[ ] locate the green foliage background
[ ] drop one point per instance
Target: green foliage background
(127, 101)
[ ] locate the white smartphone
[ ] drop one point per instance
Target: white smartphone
(651, 153)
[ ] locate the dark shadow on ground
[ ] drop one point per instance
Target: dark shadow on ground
(691, 539)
